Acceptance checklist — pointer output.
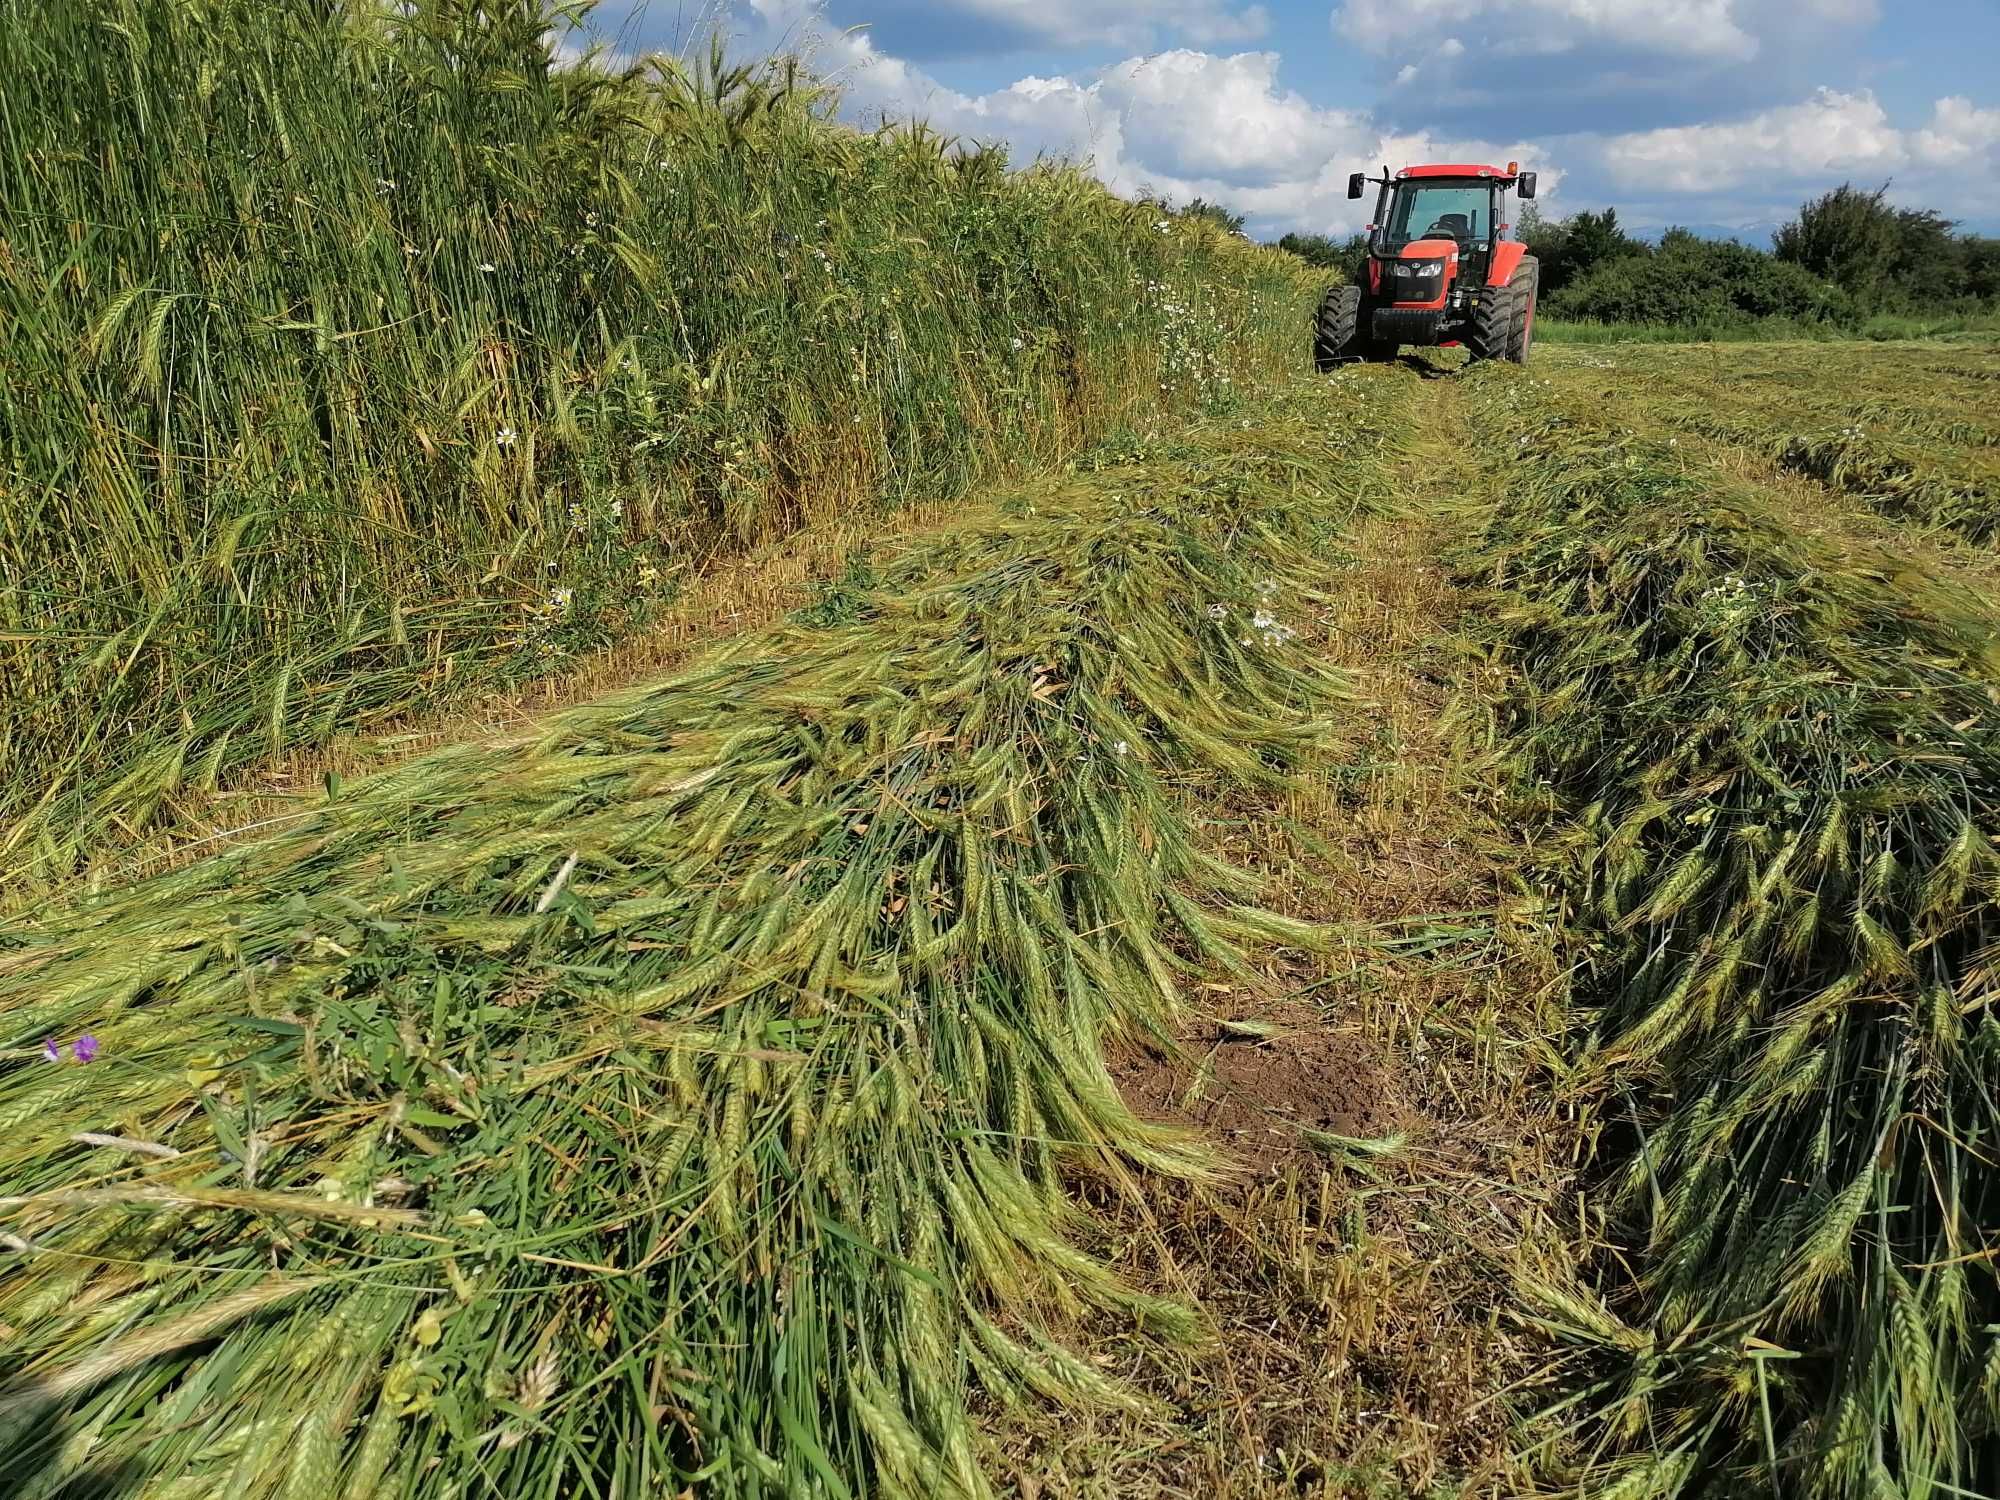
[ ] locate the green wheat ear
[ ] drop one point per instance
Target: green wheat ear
(604, 1079)
(355, 420)
(1786, 1010)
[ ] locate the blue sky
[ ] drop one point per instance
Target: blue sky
(1720, 113)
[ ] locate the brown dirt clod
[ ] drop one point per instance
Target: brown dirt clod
(1257, 1096)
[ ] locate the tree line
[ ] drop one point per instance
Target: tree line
(1848, 256)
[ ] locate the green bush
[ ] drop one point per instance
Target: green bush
(1692, 282)
(1847, 259)
(1349, 256)
(1569, 249)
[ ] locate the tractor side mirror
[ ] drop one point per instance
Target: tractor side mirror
(1357, 184)
(1525, 184)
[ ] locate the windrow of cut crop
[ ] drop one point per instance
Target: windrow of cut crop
(678, 1094)
(1900, 441)
(361, 354)
(1778, 762)
(1900, 477)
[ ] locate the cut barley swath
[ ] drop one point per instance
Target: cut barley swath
(675, 1095)
(1780, 759)
(1897, 436)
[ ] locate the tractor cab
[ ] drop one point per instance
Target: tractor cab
(1442, 267)
(1411, 209)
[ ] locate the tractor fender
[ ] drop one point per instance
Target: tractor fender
(1506, 257)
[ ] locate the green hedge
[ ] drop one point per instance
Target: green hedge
(1691, 283)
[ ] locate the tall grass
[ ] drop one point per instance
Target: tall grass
(1781, 762)
(358, 353)
(678, 1095)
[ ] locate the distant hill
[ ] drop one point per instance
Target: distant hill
(1758, 235)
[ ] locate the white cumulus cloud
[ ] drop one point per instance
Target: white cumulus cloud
(933, 30)
(1830, 134)
(1828, 138)
(1700, 28)
(1224, 117)
(1725, 30)
(1559, 66)
(1225, 126)
(1180, 124)
(1960, 133)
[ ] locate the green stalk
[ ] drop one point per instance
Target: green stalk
(1777, 760)
(362, 356)
(681, 1093)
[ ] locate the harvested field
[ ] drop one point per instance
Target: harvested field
(782, 841)
(1429, 934)
(944, 877)
(1772, 752)
(1915, 441)
(1365, 1342)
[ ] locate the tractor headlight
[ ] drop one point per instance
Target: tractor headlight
(1416, 280)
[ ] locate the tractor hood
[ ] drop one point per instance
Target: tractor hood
(1420, 276)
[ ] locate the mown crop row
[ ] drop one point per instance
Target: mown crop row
(676, 1094)
(1910, 442)
(360, 354)
(1779, 758)
(1902, 477)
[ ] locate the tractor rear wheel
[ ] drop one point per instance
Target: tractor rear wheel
(1492, 329)
(1338, 334)
(1527, 286)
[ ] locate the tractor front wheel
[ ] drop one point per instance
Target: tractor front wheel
(1527, 291)
(1503, 325)
(1337, 332)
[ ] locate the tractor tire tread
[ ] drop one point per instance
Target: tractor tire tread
(1492, 323)
(1527, 285)
(1335, 327)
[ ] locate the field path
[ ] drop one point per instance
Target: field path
(1364, 1338)
(1678, 658)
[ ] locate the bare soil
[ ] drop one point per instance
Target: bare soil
(1257, 1096)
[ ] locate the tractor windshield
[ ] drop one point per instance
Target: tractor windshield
(1437, 209)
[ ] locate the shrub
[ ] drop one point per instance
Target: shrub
(1693, 282)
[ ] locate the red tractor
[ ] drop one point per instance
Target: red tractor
(1441, 269)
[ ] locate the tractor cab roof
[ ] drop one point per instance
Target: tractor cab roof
(1503, 174)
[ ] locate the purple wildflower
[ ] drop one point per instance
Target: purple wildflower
(85, 1049)
(50, 1050)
